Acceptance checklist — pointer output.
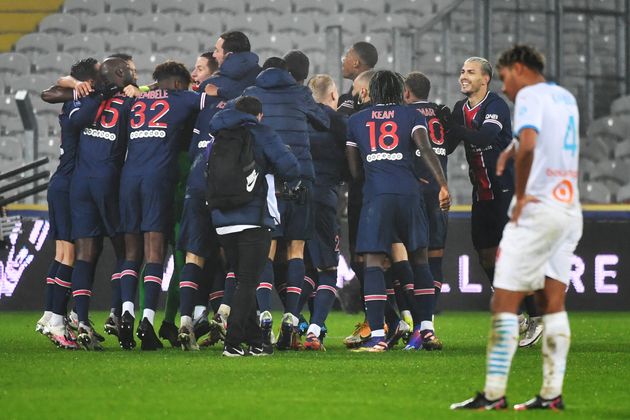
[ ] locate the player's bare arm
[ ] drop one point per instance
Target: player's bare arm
(522, 167)
(354, 163)
(507, 154)
(57, 95)
(429, 157)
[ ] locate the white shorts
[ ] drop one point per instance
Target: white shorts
(540, 245)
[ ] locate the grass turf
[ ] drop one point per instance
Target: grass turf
(38, 380)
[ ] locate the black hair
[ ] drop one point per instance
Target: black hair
(418, 84)
(524, 54)
(84, 69)
(249, 105)
(172, 69)
(274, 62)
(297, 64)
(123, 56)
(235, 41)
(386, 87)
(367, 53)
(213, 65)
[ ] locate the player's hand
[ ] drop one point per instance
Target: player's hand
(444, 115)
(83, 89)
(520, 204)
(445, 199)
(504, 157)
(211, 90)
(131, 91)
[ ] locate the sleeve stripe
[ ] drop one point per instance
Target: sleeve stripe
(493, 122)
(75, 95)
(202, 103)
(72, 112)
(533, 127)
(351, 143)
(413, 130)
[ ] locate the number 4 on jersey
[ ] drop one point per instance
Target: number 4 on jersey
(570, 137)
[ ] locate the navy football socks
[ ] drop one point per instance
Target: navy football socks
(129, 281)
(325, 296)
(62, 289)
(295, 279)
(82, 278)
(375, 297)
(263, 292)
(424, 293)
(435, 265)
(153, 273)
(188, 286)
(50, 284)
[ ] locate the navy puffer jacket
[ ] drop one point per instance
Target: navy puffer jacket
(287, 108)
(273, 157)
(238, 71)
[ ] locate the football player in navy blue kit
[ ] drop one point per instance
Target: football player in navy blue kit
(385, 138)
(102, 120)
(58, 282)
(147, 186)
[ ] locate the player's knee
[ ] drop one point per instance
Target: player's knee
(399, 252)
(375, 260)
(195, 259)
(295, 249)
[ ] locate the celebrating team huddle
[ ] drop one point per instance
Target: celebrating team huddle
(239, 168)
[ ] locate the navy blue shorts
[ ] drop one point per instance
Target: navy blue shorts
(323, 247)
(390, 218)
(296, 219)
(59, 216)
(488, 218)
(146, 204)
(196, 232)
(94, 206)
(438, 219)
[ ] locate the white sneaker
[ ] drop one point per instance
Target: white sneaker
(533, 333)
(73, 320)
(58, 334)
(523, 323)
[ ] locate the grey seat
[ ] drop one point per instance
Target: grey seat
(350, 25)
(107, 24)
(84, 44)
(278, 7)
(60, 24)
(622, 149)
(611, 126)
(179, 43)
(621, 106)
(35, 44)
(8, 108)
(130, 43)
(177, 7)
(10, 150)
(413, 7)
(296, 23)
(34, 83)
(594, 192)
(316, 7)
(269, 45)
(251, 25)
(129, 7)
(595, 149)
(623, 194)
(366, 8)
(14, 64)
(84, 7)
(58, 63)
(231, 7)
(200, 24)
(156, 24)
(44, 109)
(386, 23)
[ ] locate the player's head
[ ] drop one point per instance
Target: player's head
(360, 57)
(324, 90)
(475, 76)
(230, 42)
(417, 87)
(85, 70)
(115, 71)
(205, 66)
(130, 63)
(274, 63)
(249, 105)
(386, 87)
(361, 87)
(172, 75)
(298, 65)
(518, 67)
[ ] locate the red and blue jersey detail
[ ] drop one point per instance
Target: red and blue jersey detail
(436, 134)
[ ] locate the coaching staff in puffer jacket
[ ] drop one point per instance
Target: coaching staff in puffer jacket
(244, 232)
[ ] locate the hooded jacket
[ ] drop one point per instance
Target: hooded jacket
(273, 157)
(238, 71)
(287, 108)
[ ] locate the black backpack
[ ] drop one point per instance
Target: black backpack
(233, 176)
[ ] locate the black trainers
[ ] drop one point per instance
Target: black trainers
(168, 331)
(87, 338)
(201, 325)
(266, 325)
(149, 340)
(111, 325)
(539, 403)
(480, 402)
(258, 351)
(234, 351)
(125, 333)
(286, 333)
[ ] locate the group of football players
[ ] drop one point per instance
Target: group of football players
(134, 168)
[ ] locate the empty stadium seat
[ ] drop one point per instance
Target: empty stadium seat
(623, 194)
(84, 7)
(10, 148)
(621, 106)
(609, 170)
(46, 110)
(622, 149)
(14, 64)
(311, 43)
(145, 64)
(60, 24)
(350, 25)
(232, 7)
(130, 43)
(8, 108)
(155, 24)
(129, 7)
(35, 44)
(278, 7)
(319, 7)
(11, 127)
(611, 126)
(270, 45)
(365, 8)
(106, 24)
(34, 83)
(595, 149)
(56, 63)
(177, 43)
(297, 23)
(594, 192)
(177, 7)
(84, 44)
(200, 24)
(248, 24)
(586, 167)
(386, 23)
(414, 7)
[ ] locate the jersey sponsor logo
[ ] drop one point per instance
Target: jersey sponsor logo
(144, 134)
(383, 156)
(563, 173)
(440, 151)
(492, 117)
(563, 192)
(92, 132)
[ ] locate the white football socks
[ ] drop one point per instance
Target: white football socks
(315, 329)
(224, 310)
(128, 307)
(149, 314)
(501, 349)
(55, 320)
(186, 321)
(556, 343)
(198, 312)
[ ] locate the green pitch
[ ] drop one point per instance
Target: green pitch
(39, 381)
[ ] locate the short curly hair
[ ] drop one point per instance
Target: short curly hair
(524, 54)
(172, 69)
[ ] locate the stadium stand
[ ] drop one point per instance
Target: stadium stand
(177, 7)
(129, 8)
(155, 24)
(60, 24)
(84, 7)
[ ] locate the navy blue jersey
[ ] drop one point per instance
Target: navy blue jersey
(156, 121)
(436, 137)
(328, 148)
(201, 134)
(103, 138)
(383, 135)
(69, 140)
